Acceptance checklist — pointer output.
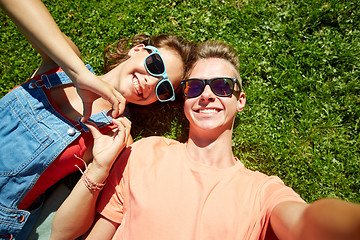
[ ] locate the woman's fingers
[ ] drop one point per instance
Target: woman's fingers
(124, 127)
(87, 109)
(89, 93)
(122, 131)
(93, 129)
(118, 103)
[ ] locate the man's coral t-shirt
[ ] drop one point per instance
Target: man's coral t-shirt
(155, 191)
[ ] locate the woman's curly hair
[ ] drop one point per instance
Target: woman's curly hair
(115, 54)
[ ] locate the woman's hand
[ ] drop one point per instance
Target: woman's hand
(90, 87)
(108, 146)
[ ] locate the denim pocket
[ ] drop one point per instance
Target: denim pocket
(21, 135)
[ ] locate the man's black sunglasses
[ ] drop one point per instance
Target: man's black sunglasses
(220, 86)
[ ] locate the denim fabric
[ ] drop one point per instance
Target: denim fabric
(32, 135)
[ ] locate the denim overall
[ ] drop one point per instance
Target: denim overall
(32, 135)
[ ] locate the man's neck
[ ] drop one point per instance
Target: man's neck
(212, 150)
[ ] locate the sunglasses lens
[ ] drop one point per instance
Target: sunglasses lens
(222, 86)
(193, 88)
(154, 64)
(164, 91)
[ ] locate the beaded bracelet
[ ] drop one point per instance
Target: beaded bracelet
(91, 185)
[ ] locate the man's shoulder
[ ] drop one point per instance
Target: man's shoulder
(259, 177)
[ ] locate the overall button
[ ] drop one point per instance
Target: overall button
(32, 85)
(71, 131)
(20, 218)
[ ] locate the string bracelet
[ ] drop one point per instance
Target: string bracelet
(91, 185)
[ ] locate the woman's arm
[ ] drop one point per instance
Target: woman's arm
(35, 22)
(102, 229)
(77, 213)
(327, 219)
(47, 63)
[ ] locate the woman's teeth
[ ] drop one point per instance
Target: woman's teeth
(137, 87)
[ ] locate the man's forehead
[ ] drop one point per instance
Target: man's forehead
(212, 67)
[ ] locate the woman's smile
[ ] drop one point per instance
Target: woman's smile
(137, 86)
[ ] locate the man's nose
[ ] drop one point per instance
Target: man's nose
(207, 93)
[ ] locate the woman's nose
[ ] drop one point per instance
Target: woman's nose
(151, 81)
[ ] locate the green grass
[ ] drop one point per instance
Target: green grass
(300, 63)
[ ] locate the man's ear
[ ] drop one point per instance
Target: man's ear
(241, 102)
(135, 49)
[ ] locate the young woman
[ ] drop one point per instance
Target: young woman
(42, 131)
(163, 189)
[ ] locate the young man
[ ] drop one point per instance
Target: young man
(162, 189)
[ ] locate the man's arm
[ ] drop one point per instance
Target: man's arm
(327, 219)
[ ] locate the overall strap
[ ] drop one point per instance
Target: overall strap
(56, 79)
(60, 78)
(100, 119)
